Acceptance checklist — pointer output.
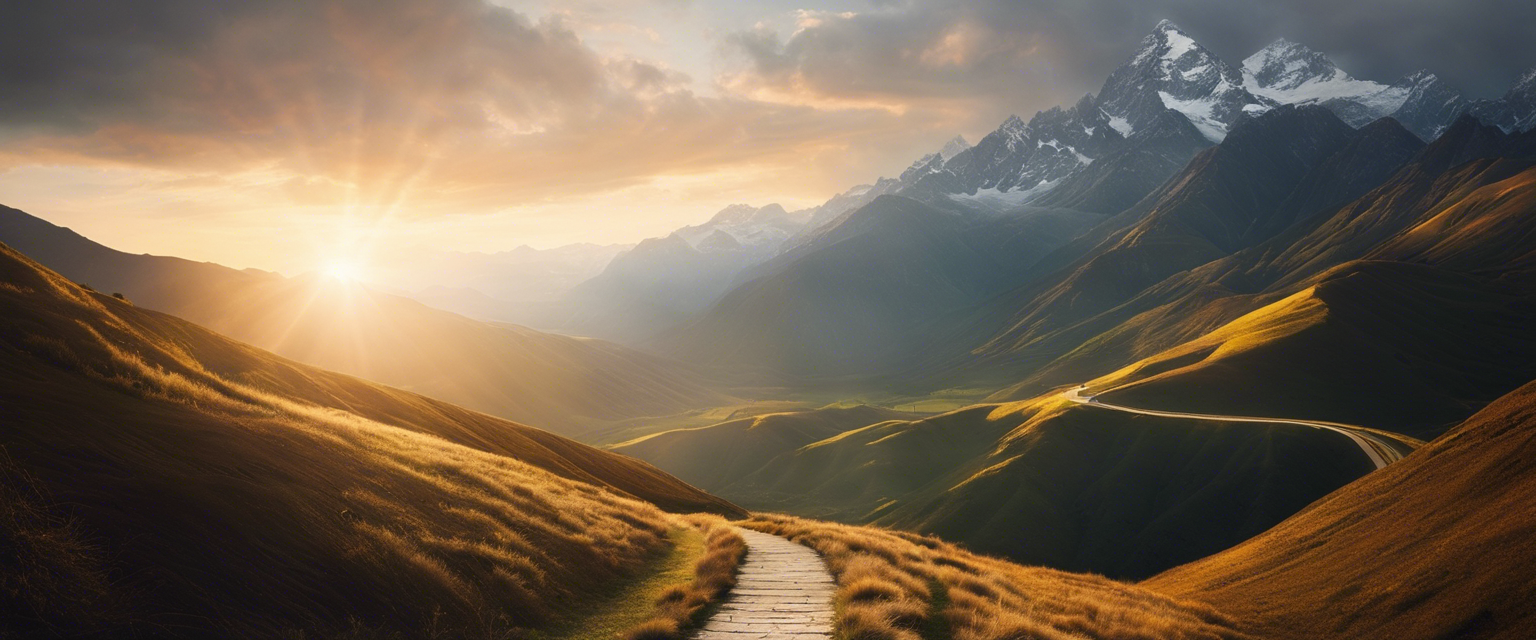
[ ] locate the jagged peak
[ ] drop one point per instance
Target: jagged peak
(954, 147)
(1422, 76)
(1013, 123)
(1166, 25)
(1526, 83)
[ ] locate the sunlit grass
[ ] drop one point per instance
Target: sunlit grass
(901, 586)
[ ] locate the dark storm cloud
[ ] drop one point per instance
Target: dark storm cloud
(1026, 55)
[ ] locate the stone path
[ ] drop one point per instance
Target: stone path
(783, 592)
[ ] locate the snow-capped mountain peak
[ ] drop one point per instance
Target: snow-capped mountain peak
(1525, 85)
(1292, 73)
(1172, 70)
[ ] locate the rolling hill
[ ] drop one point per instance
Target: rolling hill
(216, 488)
(1041, 482)
(557, 382)
(1438, 545)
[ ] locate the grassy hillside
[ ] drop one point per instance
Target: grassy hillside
(220, 489)
(900, 586)
(1041, 482)
(1438, 545)
(556, 382)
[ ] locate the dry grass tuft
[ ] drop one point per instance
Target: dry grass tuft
(683, 607)
(900, 586)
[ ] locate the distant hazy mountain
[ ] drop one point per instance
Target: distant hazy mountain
(663, 282)
(854, 297)
(507, 286)
(555, 382)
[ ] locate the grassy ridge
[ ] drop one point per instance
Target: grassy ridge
(278, 499)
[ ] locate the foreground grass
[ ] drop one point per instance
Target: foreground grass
(633, 602)
(901, 586)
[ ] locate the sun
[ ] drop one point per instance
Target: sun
(343, 271)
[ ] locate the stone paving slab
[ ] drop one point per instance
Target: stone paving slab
(783, 592)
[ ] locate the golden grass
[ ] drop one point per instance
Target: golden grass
(228, 507)
(683, 607)
(902, 586)
(1437, 545)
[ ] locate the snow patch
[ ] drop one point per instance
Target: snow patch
(1121, 125)
(1200, 113)
(994, 199)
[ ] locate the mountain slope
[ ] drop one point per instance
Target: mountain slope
(227, 491)
(1190, 304)
(1395, 346)
(1438, 545)
(553, 381)
(851, 299)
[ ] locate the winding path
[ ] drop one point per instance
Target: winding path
(1382, 450)
(783, 592)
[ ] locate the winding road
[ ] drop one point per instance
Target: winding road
(783, 592)
(1382, 450)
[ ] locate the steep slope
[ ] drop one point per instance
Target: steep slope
(1173, 71)
(1212, 208)
(852, 299)
(225, 491)
(556, 382)
(1438, 545)
(1396, 346)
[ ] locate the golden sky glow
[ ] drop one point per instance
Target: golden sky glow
(290, 135)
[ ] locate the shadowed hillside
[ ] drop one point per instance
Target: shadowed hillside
(1438, 545)
(717, 455)
(1042, 482)
(556, 382)
(1395, 346)
(220, 489)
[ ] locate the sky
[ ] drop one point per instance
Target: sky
(292, 135)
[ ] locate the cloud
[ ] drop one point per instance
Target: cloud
(450, 105)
